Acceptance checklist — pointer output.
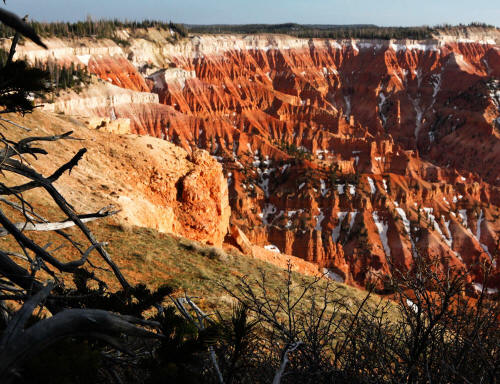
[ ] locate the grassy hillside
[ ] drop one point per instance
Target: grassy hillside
(147, 256)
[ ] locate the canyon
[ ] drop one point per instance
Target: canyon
(356, 156)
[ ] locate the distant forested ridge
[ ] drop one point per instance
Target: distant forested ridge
(108, 28)
(356, 31)
(94, 28)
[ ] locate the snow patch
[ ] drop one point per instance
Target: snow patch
(323, 188)
(382, 230)
(373, 189)
(332, 275)
(347, 100)
(462, 213)
(319, 220)
(381, 103)
(412, 305)
(478, 229)
(336, 231)
(269, 210)
(479, 288)
(272, 248)
(351, 221)
(419, 112)
(406, 222)
(352, 189)
(436, 85)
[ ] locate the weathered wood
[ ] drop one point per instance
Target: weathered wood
(19, 344)
(13, 46)
(198, 323)
(13, 21)
(17, 167)
(37, 249)
(15, 124)
(55, 226)
(284, 362)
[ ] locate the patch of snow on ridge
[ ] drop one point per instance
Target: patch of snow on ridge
(269, 209)
(406, 222)
(336, 230)
(436, 85)
(373, 189)
(332, 275)
(419, 112)
(352, 189)
(412, 305)
(400, 46)
(272, 248)
(478, 229)
(347, 100)
(450, 236)
(323, 188)
(463, 215)
(385, 184)
(478, 235)
(319, 220)
(351, 221)
(490, 291)
(407, 226)
(340, 189)
(432, 219)
(382, 231)
(380, 106)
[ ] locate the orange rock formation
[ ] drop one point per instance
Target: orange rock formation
(356, 155)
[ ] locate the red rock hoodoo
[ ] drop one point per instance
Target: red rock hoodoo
(356, 155)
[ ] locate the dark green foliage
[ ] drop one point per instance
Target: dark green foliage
(180, 357)
(238, 338)
(332, 176)
(107, 29)
(64, 77)
(41, 78)
(334, 31)
(19, 84)
(297, 152)
(133, 301)
(93, 28)
(353, 178)
(66, 362)
(179, 28)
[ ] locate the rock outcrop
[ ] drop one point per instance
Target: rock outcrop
(153, 183)
(358, 156)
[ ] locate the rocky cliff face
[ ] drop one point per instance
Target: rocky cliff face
(358, 156)
(153, 183)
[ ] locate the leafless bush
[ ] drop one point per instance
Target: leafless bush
(430, 331)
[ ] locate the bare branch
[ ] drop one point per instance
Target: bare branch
(45, 227)
(15, 124)
(72, 322)
(284, 361)
(13, 21)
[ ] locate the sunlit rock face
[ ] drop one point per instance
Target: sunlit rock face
(358, 156)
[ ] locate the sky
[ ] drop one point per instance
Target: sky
(379, 12)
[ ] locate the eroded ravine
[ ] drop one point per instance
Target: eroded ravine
(356, 155)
